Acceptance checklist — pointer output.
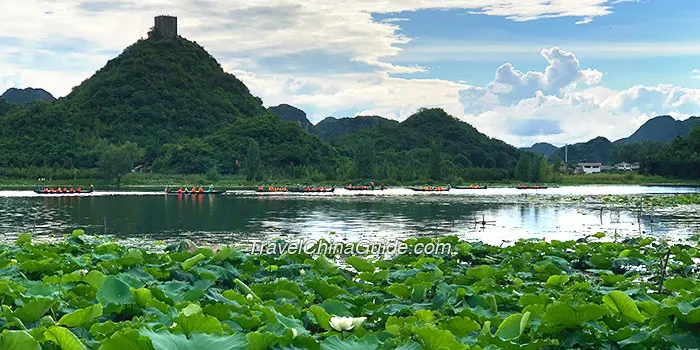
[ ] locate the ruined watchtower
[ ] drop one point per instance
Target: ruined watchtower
(165, 27)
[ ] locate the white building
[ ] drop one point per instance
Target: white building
(623, 166)
(590, 168)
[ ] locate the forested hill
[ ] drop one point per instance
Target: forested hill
(662, 129)
(543, 148)
(597, 150)
(5, 107)
(430, 137)
(26, 96)
(331, 128)
(172, 99)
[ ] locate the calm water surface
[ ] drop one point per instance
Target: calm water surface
(243, 217)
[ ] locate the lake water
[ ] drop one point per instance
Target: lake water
(244, 217)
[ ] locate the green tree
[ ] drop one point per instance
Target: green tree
(556, 162)
(435, 169)
(116, 161)
(252, 161)
(545, 173)
(364, 160)
(522, 168)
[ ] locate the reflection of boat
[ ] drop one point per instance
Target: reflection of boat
(188, 193)
(47, 191)
(431, 189)
(470, 187)
(295, 189)
(531, 187)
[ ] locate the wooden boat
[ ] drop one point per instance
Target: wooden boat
(63, 193)
(431, 189)
(188, 193)
(364, 188)
(295, 190)
(471, 187)
(531, 187)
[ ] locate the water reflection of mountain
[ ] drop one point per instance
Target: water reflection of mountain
(258, 217)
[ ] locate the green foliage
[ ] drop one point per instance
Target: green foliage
(252, 162)
(116, 161)
(680, 159)
(171, 98)
(402, 151)
(531, 295)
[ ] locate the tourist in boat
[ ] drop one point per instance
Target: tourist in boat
(179, 190)
(46, 190)
(193, 190)
(201, 190)
(211, 188)
(72, 190)
(79, 190)
(372, 184)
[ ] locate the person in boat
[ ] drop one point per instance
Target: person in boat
(381, 187)
(79, 190)
(201, 190)
(72, 190)
(46, 190)
(211, 188)
(372, 184)
(193, 190)
(179, 190)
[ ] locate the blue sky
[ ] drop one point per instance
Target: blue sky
(551, 71)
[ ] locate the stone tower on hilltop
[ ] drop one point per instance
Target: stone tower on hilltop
(165, 27)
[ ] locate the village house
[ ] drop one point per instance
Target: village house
(588, 168)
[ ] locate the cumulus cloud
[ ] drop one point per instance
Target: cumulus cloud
(696, 74)
(511, 85)
(249, 30)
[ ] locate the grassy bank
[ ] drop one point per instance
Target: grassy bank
(88, 293)
(157, 182)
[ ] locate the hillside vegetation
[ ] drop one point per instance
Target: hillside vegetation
(172, 99)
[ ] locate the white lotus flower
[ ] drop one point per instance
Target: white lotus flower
(249, 296)
(341, 323)
(302, 272)
(294, 333)
(357, 322)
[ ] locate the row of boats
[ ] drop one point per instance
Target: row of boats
(296, 189)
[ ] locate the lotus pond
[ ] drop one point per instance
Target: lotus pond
(88, 292)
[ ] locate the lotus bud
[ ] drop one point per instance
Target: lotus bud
(294, 333)
(249, 297)
(302, 272)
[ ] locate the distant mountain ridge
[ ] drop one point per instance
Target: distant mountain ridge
(662, 129)
(26, 96)
(292, 114)
(543, 148)
(330, 127)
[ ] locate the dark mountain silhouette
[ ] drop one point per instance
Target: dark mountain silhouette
(331, 128)
(662, 129)
(292, 114)
(26, 96)
(543, 148)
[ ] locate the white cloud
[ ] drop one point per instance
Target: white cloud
(250, 29)
(696, 74)
(511, 85)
